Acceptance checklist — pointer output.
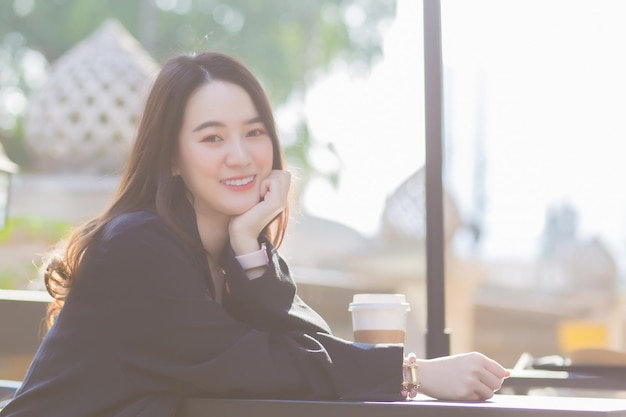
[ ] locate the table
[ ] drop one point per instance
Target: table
(8, 388)
(499, 405)
(521, 381)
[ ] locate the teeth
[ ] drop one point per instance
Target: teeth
(239, 182)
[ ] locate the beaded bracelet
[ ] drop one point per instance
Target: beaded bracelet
(411, 383)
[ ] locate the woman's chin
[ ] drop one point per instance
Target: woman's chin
(243, 208)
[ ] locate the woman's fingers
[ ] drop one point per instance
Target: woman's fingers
(468, 377)
(278, 181)
(495, 368)
(274, 191)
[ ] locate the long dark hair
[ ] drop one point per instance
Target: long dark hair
(147, 182)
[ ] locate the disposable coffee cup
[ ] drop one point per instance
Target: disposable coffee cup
(379, 318)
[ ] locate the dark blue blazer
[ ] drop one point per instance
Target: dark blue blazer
(140, 331)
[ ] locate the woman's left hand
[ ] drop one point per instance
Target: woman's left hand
(468, 377)
(244, 229)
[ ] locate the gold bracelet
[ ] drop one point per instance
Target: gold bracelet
(410, 379)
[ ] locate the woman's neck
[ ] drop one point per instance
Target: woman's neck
(213, 234)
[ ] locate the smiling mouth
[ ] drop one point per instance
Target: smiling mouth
(239, 182)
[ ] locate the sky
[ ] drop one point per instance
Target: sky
(376, 124)
(549, 75)
(540, 82)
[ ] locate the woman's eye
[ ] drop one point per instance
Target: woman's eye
(211, 138)
(256, 132)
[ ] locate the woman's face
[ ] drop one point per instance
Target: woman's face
(225, 151)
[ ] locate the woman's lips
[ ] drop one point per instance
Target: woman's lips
(240, 184)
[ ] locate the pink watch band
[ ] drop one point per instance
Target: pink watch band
(254, 259)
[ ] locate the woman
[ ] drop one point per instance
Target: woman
(177, 290)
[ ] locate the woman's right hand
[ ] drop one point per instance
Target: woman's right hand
(463, 377)
(244, 229)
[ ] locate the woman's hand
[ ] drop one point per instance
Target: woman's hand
(244, 229)
(463, 377)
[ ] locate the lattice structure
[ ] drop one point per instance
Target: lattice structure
(84, 118)
(404, 217)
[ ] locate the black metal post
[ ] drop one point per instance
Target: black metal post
(437, 338)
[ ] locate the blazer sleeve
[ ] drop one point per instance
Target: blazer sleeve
(270, 301)
(153, 312)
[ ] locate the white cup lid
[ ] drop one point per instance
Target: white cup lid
(368, 301)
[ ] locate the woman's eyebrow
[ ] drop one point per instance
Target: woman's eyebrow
(210, 123)
(256, 119)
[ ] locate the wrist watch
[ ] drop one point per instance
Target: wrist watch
(254, 259)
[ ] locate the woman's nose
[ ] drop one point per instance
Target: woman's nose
(238, 153)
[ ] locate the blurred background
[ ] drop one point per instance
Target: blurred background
(534, 97)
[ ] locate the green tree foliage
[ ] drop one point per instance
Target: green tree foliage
(287, 43)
